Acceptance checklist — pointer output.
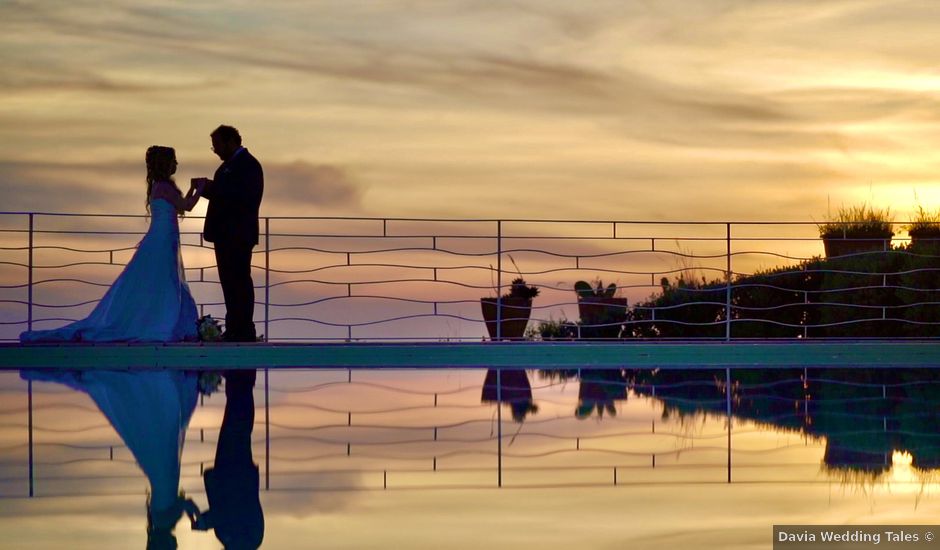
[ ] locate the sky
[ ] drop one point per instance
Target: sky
(622, 109)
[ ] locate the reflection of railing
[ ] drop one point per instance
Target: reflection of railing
(371, 279)
(365, 430)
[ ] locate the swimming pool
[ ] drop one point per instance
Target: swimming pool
(451, 458)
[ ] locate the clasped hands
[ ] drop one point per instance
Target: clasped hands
(199, 184)
(199, 521)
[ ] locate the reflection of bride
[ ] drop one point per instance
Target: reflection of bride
(150, 410)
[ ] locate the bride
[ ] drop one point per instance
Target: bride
(150, 301)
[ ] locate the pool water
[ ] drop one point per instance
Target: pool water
(471, 458)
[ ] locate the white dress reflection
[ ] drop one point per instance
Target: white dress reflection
(150, 410)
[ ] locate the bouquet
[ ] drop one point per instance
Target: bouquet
(209, 382)
(209, 329)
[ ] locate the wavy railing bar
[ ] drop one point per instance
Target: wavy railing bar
(565, 252)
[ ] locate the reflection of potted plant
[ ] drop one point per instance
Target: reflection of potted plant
(516, 391)
(599, 392)
(924, 229)
(857, 229)
(599, 306)
(513, 309)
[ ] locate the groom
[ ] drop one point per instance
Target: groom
(232, 226)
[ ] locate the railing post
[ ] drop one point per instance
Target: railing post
(29, 286)
(267, 434)
(728, 282)
(728, 405)
(267, 279)
(499, 286)
(499, 427)
(29, 393)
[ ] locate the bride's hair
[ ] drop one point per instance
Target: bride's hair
(160, 525)
(160, 167)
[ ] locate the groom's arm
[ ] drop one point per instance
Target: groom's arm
(207, 188)
(243, 185)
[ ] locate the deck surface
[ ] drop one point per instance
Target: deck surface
(734, 354)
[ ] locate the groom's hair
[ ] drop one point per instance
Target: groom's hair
(227, 134)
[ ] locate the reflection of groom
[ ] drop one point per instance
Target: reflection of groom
(232, 226)
(232, 483)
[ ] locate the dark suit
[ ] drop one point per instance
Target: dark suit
(232, 483)
(232, 226)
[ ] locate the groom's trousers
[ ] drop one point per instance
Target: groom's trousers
(234, 263)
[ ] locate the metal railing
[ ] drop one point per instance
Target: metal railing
(398, 279)
(428, 430)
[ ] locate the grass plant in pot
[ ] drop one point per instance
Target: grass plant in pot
(513, 311)
(602, 312)
(924, 229)
(920, 277)
(856, 230)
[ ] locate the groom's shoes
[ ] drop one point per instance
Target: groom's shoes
(235, 336)
(240, 378)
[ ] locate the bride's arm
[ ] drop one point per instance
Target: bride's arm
(191, 198)
(167, 192)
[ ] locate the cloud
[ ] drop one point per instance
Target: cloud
(861, 104)
(60, 79)
(294, 188)
(304, 503)
(72, 187)
(300, 186)
(488, 68)
(477, 95)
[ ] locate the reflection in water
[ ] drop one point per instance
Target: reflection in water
(232, 483)
(336, 436)
(515, 391)
(599, 391)
(150, 411)
(865, 415)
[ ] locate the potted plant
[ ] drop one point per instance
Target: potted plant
(600, 309)
(856, 230)
(513, 310)
(545, 331)
(920, 279)
(924, 229)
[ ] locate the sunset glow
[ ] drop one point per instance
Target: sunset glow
(726, 110)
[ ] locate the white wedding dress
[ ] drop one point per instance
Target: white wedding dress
(150, 410)
(149, 302)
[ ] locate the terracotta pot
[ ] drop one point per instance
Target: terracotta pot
(601, 310)
(925, 239)
(514, 316)
(839, 246)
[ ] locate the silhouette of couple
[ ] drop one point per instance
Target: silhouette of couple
(150, 301)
